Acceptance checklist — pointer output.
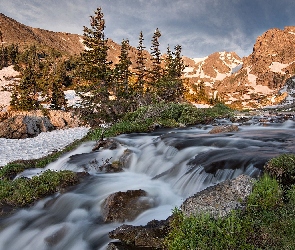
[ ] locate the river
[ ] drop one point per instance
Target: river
(170, 165)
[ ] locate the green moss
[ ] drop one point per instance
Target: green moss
(24, 191)
(267, 194)
(204, 232)
(167, 115)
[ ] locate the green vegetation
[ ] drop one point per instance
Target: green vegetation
(283, 169)
(24, 191)
(167, 115)
(268, 221)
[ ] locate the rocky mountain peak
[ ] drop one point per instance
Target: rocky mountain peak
(264, 72)
(212, 68)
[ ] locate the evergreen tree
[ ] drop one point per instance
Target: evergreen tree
(4, 58)
(95, 69)
(170, 87)
(25, 92)
(156, 71)
(56, 96)
(140, 65)
(122, 72)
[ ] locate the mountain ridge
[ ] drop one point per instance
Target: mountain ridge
(253, 81)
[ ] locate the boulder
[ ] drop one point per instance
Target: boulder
(22, 126)
(125, 206)
(217, 200)
(113, 167)
(61, 119)
(150, 236)
(105, 144)
(221, 199)
(224, 129)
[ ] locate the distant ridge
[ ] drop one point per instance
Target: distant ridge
(17, 33)
(250, 82)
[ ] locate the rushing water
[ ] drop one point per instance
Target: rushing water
(169, 165)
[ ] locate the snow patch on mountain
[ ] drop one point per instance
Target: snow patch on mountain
(277, 67)
(201, 59)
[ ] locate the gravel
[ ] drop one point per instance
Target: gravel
(37, 147)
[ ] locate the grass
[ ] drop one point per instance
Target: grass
(168, 115)
(24, 191)
(267, 223)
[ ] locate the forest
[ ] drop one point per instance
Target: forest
(107, 90)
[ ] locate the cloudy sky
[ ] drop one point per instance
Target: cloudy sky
(201, 27)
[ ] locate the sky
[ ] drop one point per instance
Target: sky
(201, 27)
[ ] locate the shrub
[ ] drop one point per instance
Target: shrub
(145, 119)
(283, 169)
(266, 194)
(203, 232)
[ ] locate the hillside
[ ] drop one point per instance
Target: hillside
(17, 33)
(254, 81)
(14, 32)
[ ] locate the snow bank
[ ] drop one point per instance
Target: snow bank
(37, 147)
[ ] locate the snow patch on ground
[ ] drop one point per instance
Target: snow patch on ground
(37, 147)
(5, 75)
(251, 77)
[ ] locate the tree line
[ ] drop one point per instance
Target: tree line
(107, 90)
(112, 90)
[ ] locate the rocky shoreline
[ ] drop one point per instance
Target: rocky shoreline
(217, 201)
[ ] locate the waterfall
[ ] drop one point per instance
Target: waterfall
(170, 165)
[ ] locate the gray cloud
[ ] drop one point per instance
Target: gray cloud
(200, 26)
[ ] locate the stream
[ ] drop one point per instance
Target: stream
(169, 164)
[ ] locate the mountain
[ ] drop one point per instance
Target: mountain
(14, 32)
(264, 73)
(17, 33)
(265, 77)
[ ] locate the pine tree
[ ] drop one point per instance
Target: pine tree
(140, 65)
(56, 79)
(122, 72)
(156, 71)
(25, 91)
(25, 96)
(170, 87)
(95, 71)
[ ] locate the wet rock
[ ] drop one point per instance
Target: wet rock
(106, 144)
(56, 237)
(150, 236)
(114, 167)
(125, 206)
(224, 129)
(125, 158)
(220, 199)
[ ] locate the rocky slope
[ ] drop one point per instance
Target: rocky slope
(261, 79)
(14, 32)
(17, 33)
